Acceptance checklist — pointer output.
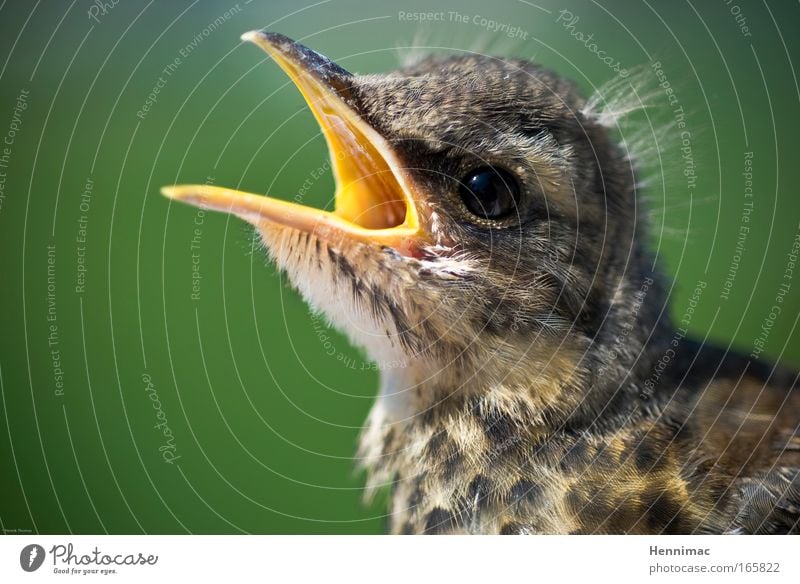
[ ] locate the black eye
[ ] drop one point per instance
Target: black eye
(489, 192)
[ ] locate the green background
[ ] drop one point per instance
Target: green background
(264, 401)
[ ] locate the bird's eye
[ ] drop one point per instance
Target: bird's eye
(489, 192)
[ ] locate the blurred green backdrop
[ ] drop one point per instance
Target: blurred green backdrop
(123, 316)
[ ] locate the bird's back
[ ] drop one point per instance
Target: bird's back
(743, 417)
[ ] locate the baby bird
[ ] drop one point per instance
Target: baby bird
(486, 252)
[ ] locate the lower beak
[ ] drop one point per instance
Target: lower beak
(374, 200)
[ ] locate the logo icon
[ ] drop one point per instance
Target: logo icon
(31, 557)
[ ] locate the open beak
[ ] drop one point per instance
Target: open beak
(374, 200)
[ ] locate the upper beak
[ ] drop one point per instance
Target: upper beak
(374, 200)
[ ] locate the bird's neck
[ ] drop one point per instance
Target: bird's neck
(501, 400)
(509, 392)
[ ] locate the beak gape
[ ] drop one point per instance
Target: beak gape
(374, 200)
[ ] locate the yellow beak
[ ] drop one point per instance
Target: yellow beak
(374, 201)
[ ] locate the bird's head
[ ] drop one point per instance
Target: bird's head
(479, 214)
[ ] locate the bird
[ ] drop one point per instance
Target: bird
(488, 251)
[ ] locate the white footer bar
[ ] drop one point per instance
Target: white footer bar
(373, 559)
